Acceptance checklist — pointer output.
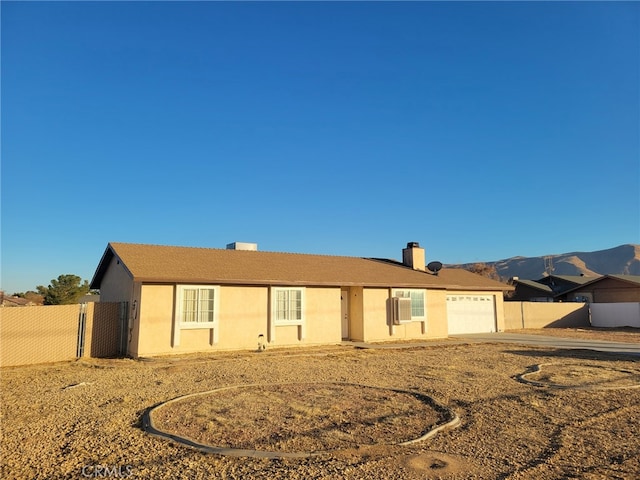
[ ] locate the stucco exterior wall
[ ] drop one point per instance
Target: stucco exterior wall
(375, 324)
(116, 284)
(323, 316)
(243, 315)
(437, 314)
(153, 328)
(378, 325)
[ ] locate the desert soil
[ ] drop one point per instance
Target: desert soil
(577, 417)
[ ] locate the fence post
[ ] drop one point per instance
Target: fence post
(82, 328)
(124, 331)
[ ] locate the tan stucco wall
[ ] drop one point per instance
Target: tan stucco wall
(154, 327)
(374, 314)
(519, 315)
(437, 314)
(243, 315)
(323, 316)
(376, 324)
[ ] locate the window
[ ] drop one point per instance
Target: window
(288, 305)
(417, 301)
(196, 308)
(287, 308)
(197, 304)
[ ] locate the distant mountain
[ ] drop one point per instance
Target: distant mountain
(622, 260)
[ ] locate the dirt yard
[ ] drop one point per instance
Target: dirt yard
(525, 413)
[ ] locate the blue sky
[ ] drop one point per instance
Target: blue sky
(482, 130)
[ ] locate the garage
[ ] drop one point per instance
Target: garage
(471, 314)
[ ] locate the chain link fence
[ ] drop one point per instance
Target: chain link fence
(55, 333)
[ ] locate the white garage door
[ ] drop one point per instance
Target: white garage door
(471, 314)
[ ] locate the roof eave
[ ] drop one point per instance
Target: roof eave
(108, 255)
(298, 283)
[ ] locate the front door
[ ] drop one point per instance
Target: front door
(344, 310)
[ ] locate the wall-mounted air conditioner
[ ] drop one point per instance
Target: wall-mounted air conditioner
(401, 310)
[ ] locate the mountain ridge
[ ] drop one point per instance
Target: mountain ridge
(621, 260)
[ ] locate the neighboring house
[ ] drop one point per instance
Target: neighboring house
(184, 299)
(606, 289)
(11, 301)
(547, 289)
(530, 291)
(16, 302)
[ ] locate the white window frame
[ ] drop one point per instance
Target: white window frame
(400, 292)
(179, 324)
(276, 322)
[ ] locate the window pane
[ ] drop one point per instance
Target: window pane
(295, 311)
(189, 305)
(281, 304)
(417, 303)
(206, 305)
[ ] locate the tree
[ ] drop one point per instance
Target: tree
(485, 270)
(65, 290)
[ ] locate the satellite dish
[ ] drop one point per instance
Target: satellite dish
(435, 267)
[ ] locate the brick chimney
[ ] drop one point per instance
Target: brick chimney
(413, 256)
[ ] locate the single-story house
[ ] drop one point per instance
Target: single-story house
(606, 289)
(185, 299)
(549, 288)
(530, 291)
(13, 301)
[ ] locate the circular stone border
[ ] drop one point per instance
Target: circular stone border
(451, 420)
(522, 377)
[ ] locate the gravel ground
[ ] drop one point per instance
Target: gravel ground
(83, 419)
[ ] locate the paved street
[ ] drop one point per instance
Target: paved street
(552, 342)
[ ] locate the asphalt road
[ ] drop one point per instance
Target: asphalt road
(552, 342)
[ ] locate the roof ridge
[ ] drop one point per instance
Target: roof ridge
(280, 252)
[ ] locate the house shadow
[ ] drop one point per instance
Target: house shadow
(576, 353)
(105, 327)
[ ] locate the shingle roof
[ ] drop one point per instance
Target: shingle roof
(167, 264)
(533, 284)
(577, 279)
(627, 278)
(632, 279)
